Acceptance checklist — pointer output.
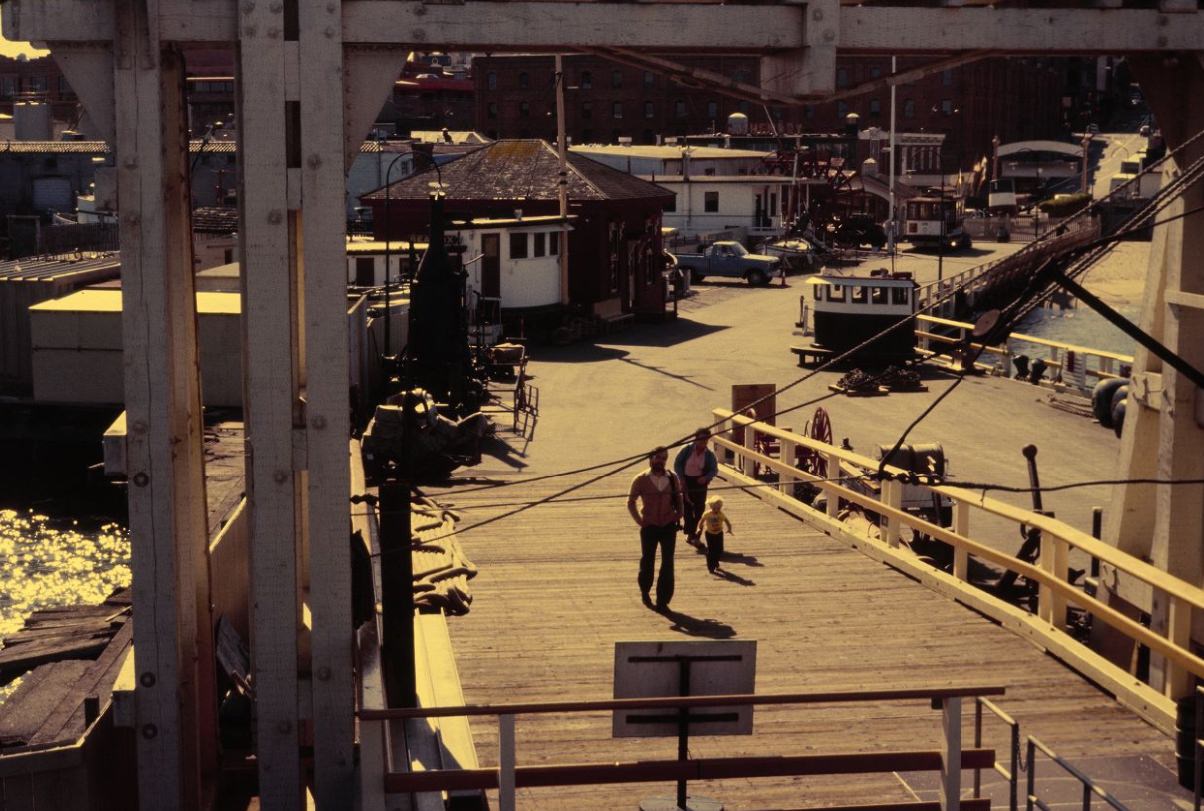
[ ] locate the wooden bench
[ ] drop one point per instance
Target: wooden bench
(809, 355)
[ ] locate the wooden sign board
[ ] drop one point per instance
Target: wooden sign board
(711, 668)
(745, 393)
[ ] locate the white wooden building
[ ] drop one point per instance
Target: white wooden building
(516, 261)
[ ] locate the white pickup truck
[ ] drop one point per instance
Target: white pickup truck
(729, 259)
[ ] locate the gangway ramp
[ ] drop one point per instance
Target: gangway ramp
(557, 589)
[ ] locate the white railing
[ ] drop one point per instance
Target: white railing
(1077, 366)
(1047, 625)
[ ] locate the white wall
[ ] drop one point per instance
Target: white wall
(737, 205)
(531, 282)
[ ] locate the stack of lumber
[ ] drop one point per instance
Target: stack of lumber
(441, 570)
(70, 657)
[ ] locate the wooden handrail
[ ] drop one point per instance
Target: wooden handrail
(1173, 586)
(1149, 574)
(1032, 339)
(741, 699)
(655, 771)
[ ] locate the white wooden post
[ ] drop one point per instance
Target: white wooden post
(961, 526)
(892, 496)
(747, 466)
(951, 754)
(267, 82)
(323, 254)
(1177, 681)
(1007, 359)
(175, 704)
(1045, 594)
(785, 479)
(833, 471)
(506, 760)
(1061, 571)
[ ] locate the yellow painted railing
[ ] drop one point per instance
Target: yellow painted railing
(1047, 626)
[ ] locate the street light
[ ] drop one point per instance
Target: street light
(940, 253)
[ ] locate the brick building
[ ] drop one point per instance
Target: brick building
(39, 76)
(606, 101)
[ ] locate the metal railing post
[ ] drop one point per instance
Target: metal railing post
(505, 777)
(1032, 776)
(977, 744)
(1013, 787)
(951, 756)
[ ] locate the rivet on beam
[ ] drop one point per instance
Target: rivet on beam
(149, 731)
(138, 427)
(323, 673)
(280, 476)
(275, 217)
(141, 480)
(147, 679)
(314, 161)
(318, 422)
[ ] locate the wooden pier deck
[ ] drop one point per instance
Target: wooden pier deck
(557, 589)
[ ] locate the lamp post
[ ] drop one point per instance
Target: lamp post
(940, 253)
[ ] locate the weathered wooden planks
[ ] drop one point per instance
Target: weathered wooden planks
(557, 589)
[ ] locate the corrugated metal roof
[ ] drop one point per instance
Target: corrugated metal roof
(49, 268)
(56, 147)
(526, 169)
(215, 220)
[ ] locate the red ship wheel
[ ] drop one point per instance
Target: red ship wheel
(819, 429)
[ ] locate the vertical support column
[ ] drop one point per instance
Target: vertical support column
(172, 638)
(787, 455)
(951, 754)
(1177, 682)
(1045, 594)
(323, 254)
(506, 760)
(1178, 538)
(1061, 571)
(833, 471)
(961, 527)
(268, 157)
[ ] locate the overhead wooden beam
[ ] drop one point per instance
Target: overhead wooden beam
(910, 30)
(721, 84)
(911, 75)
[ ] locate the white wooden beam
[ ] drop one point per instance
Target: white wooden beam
(174, 671)
(523, 25)
(808, 69)
(893, 29)
(324, 256)
(271, 397)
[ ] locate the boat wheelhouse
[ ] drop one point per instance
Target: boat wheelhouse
(849, 310)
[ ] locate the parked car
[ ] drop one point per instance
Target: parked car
(730, 259)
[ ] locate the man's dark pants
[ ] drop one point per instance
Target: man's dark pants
(650, 537)
(696, 503)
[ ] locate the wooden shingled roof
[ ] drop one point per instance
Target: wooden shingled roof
(523, 170)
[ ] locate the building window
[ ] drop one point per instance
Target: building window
(8, 87)
(671, 206)
(586, 81)
(842, 109)
(524, 80)
(616, 110)
(64, 88)
(875, 71)
(679, 108)
(491, 80)
(649, 79)
(649, 110)
(540, 241)
(742, 106)
(524, 109)
(710, 202)
(712, 109)
(616, 78)
(491, 109)
(365, 271)
(37, 84)
(909, 108)
(947, 78)
(741, 75)
(947, 106)
(875, 107)
(842, 77)
(587, 109)
(587, 136)
(808, 112)
(518, 246)
(554, 243)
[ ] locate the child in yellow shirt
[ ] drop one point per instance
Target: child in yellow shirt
(710, 525)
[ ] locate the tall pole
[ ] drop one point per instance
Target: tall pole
(563, 185)
(890, 234)
(388, 257)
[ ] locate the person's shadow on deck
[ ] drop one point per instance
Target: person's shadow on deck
(694, 626)
(737, 557)
(734, 578)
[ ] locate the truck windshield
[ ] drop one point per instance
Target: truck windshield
(735, 249)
